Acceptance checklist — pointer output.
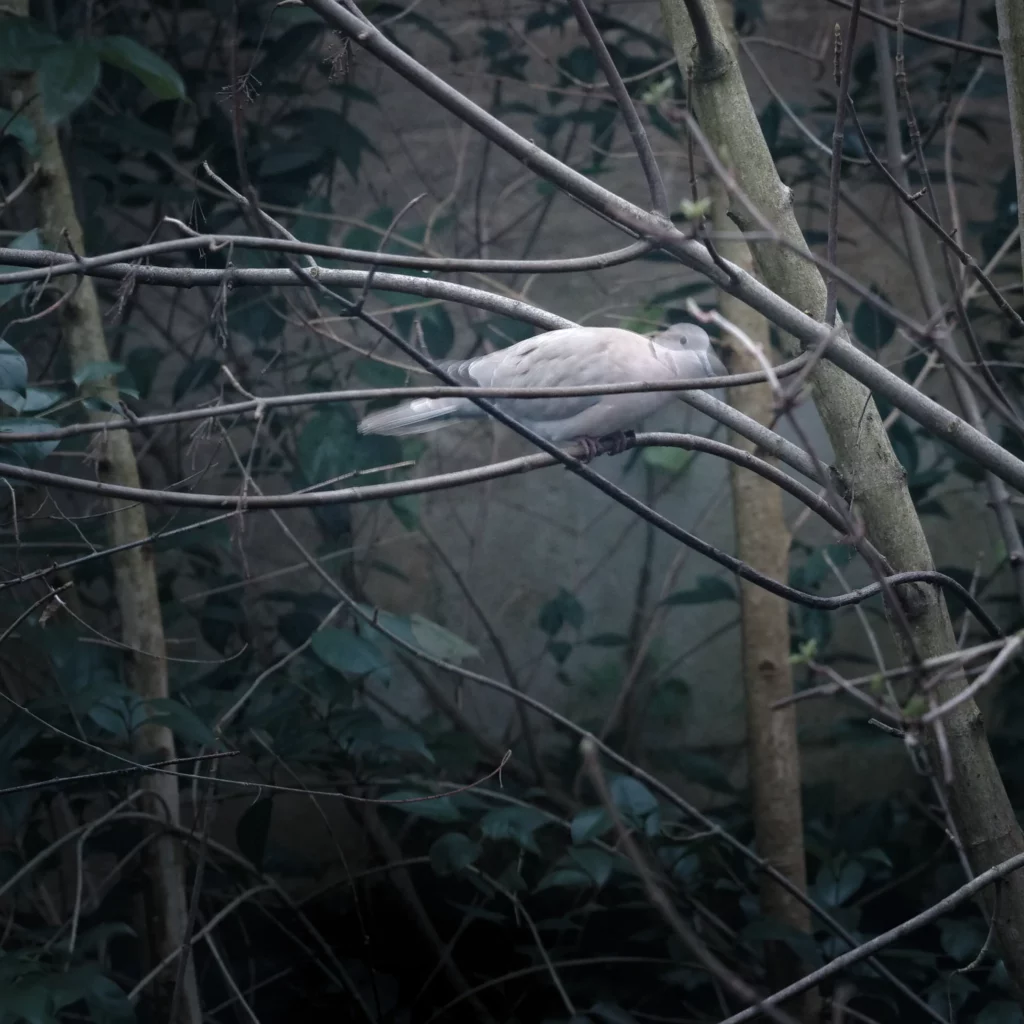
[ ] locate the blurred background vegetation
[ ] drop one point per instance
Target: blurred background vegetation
(505, 902)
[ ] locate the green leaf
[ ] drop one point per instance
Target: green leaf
(837, 882)
(30, 451)
(68, 74)
(632, 797)
(515, 823)
(107, 1002)
(13, 369)
(589, 824)
(565, 878)
(29, 240)
(20, 127)
(182, 721)
(252, 830)
(873, 328)
(708, 590)
(421, 633)
(562, 610)
(962, 939)
(438, 641)
(97, 371)
(666, 459)
(440, 808)
(816, 569)
(23, 43)
(152, 71)
(33, 400)
(348, 653)
(596, 863)
(119, 713)
(453, 852)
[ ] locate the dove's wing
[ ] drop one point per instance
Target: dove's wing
(587, 356)
(571, 357)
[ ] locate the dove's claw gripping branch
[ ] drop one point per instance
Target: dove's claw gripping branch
(608, 444)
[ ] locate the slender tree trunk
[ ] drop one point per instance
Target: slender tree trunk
(871, 473)
(762, 540)
(773, 753)
(135, 582)
(1010, 19)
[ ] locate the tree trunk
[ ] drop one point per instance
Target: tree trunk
(864, 457)
(81, 324)
(762, 540)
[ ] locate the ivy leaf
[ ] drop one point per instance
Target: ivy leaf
(13, 369)
(348, 653)
(666, 459)
(152, 71)
(962, 939)
(97, 371)
(596, 863)
(30, 451)
(182, 721)
(453, 852)
(515, 823)
(20, 127)
(23, 43)
(565, 878)
(589, 824)
(837, 882)
(440, 809)
(874, 329)
(562, 610)
(33, 400)
(632, 797)
(423, 634)
(68, 75)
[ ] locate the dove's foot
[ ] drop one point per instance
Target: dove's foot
(617, 443)
(608, 444)
(591, 449)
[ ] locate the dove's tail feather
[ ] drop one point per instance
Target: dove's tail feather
(415, 417)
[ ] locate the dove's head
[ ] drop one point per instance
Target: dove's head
(694, 341)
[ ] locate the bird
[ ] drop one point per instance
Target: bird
(571, 356)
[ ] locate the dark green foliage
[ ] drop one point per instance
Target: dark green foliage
(511, 879)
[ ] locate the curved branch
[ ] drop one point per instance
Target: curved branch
(866, 949)
(193, 277)
(445, 481)
(260, 405)
(658, 230)
(434, 264)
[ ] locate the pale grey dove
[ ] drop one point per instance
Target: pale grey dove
(573, 356)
